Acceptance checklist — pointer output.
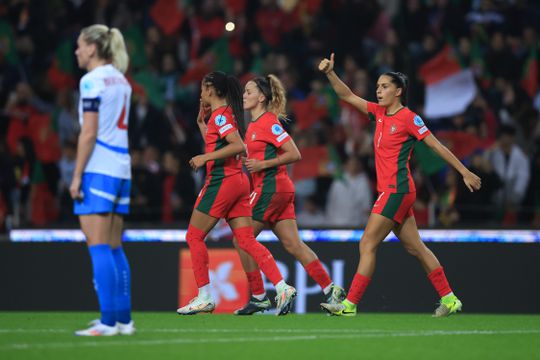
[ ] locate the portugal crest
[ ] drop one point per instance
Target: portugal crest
(393, 128)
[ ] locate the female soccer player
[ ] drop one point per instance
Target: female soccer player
(102, 177)
(226, 192)
(397, 129)
(270, 148)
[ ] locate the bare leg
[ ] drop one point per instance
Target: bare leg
(378, 227)
(287, 233)
(96, 228)
(408, 234)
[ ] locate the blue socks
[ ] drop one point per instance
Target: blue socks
(122, 296)
(105, 279)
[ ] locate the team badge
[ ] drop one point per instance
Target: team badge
(277, 129)
(418, 121)
(253, 136)
(221, 120)
(393, 128)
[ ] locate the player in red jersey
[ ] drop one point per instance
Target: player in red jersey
(226, 192)
(270, 148)
(397, 129)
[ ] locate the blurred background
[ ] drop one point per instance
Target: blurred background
(472, 67)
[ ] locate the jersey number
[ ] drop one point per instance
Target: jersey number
(122, 118)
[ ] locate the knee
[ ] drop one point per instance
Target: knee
(244, 237)
(367, 246)
(293, 247)
(412, 250)
(194, 235)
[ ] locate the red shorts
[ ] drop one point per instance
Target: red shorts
(396, 207)
(272, 207)
(225, 198)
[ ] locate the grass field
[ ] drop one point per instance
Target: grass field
(40, 335)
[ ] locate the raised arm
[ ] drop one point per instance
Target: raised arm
(471, 180)
(341, 89)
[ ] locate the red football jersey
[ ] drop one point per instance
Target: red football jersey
(264, 138)
(220, 124)
(394, 139)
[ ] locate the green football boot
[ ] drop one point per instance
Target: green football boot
(448, 305)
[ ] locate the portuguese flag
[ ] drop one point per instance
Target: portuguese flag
(61, 72)
(529, 79)
(450, 88)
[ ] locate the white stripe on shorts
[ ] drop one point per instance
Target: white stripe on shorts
(110, 197)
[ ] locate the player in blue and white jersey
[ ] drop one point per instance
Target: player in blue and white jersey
(102, 177)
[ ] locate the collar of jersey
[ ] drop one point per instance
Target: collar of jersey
(387, 115)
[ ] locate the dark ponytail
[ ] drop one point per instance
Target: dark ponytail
(228, 87)
(235, 100)
(401, 81)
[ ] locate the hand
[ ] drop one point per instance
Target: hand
(254, 165)
(472, 181)
(327, 65)
(75, 188)
(243, 159)
(204, 109)
(198, 161)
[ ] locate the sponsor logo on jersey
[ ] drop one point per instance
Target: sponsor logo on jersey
(282, 136)
(418, 121)
(422, 130)
(393, 128)
(225, 128)
(221, 120)
(277, 129)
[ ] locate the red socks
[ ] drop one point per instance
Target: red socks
(358, 287)
(439, 281)
(255, 282)
(263, 258)
(199, 255)
(316, 271)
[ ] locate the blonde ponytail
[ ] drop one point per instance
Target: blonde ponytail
(278, 102)
(109, 43)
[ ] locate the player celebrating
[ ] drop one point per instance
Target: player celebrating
(102, 177)
(226, 192)
(270, 148)
(397, 129)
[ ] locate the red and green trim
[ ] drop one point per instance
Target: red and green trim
(216, 179)
(392, 205)
(402, 176)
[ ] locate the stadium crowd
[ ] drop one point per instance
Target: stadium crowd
(172, 44)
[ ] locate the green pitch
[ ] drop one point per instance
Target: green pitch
(35, 335)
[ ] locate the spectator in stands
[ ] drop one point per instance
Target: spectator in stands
(350, 197)
(512, 166)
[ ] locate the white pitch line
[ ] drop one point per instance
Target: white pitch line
(63, 345)
(225, 330)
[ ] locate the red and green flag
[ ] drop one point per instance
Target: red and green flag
(168, 15)
(450, 88)
(529, 78)
(61, 72)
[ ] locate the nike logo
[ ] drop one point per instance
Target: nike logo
(380, 120)
(347, 312)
